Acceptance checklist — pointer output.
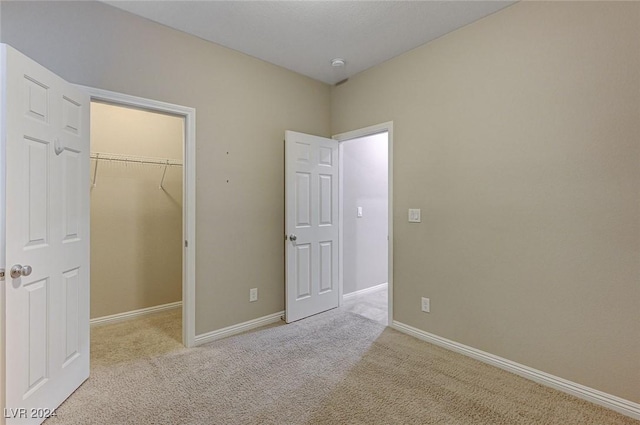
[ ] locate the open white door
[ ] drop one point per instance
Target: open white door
(45, 149)
(311, 224)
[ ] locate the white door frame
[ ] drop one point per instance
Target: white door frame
(356, 134)
(188, 196)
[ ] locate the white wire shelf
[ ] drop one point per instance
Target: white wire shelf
(114, 157)
(102, 156)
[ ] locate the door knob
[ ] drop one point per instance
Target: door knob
(293, 238)
(18, 270)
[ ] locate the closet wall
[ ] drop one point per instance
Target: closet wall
(136, 227)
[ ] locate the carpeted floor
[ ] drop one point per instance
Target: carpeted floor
(141, 338)
(372, 306)
(333, 368)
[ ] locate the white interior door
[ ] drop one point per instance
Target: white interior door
(45, 143)
(311, 224)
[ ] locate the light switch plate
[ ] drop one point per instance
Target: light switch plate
(359, 212)
(414, 215)
(426, 305)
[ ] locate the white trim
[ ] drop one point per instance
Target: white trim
(188, 197)
(133, 314)
(382, 286)
(363, 132)
(239, 328)
(340, 223)
(3, 179)
(609, 401)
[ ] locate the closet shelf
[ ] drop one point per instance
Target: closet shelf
(102, 156)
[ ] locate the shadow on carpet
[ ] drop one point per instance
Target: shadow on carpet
(332, 368)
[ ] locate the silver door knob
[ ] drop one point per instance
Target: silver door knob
(18, 270)
(293, 238)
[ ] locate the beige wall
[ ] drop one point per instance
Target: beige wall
(519, 137)
(243, 107)
(364, 239)
(136, 228)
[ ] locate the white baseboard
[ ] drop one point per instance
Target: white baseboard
(365, 291)
(609, 401)
(239, 328)
(127, 315)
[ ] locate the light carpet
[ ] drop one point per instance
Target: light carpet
(372, 305)
(333, 368)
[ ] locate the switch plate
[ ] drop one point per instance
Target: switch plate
(253, 294)
(426, 305)
(414, 215)
(359, 212)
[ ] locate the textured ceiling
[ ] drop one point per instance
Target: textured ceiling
(304, 36)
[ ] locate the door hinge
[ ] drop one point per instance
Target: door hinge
(186, 244)
(1, 274)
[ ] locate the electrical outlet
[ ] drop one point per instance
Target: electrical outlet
(426, 305)
(253, 294)
(414, 215)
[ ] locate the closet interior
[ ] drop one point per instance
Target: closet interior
(136, 212)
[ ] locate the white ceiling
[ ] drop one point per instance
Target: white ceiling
(304, 36)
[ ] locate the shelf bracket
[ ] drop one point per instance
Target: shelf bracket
(163, 174)
(95, 171)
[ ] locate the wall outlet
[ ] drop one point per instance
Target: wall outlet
(253, 294)
(414, 215)
(426, 305)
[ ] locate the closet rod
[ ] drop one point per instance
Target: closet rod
(99, 156)
(135, 159)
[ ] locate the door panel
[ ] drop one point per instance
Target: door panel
(37, 99)
(303, 200)
(71, 115)
(311, 197)
(71, 195)
(325, 156)
(46, 151)
(38, 312)
(71, 288)
(36, 188)
(326, 200)
(326, 266)
(303, 271)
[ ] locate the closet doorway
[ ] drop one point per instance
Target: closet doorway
(366, 221)
(142, 226)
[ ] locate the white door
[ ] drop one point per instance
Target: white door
(311, 224)
(45, 144)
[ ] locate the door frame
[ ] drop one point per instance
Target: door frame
(3, 205)
(188, 194)
(356, 134)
